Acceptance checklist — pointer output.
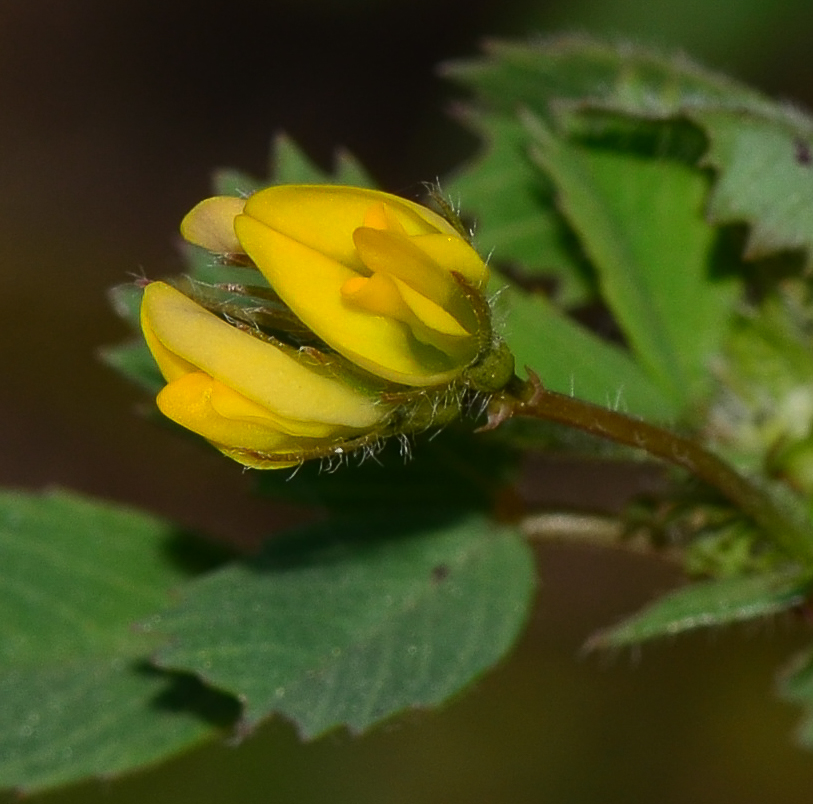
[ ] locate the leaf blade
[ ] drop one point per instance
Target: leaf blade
(714, 602)
(76, 577)
(640, 219)
(352, 631)
(763, 165)
(572, 360)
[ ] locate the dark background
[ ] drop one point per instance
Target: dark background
(112, 116)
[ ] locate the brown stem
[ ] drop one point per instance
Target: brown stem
(531, 399)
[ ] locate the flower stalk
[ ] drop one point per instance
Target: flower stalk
(533, 400)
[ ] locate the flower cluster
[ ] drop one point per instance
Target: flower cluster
(369, 320)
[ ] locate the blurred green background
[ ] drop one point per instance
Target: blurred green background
(113, 116)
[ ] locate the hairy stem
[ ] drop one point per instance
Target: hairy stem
(531, 399)
(595, 530)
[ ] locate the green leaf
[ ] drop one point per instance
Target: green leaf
(544, 75)
(290, 165)
(765, 177)
(550, 78)
(709, 603)
(347, 623)
(516, 221)
(635, 201)
(98, 716)
(572, 360)
(78, 699)
(640, 219)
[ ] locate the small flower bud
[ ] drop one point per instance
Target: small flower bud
(258, 402)
(373, 323)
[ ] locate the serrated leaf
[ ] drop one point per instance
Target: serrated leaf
(550, 78)
(765, 177)
(349, 623)
(623, 76)
(77, 698)
(572, 360)
(515, 219)
(289, 164)
(710, 603)
(640, 219)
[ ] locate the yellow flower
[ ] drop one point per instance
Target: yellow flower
(388, 284)
(372, 323)
(259, 403)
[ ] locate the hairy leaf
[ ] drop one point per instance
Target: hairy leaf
(516, 223)
(640, 217)
(348, 622)
(765, 177)
(550, 78)
(78, 698)
(709, 603)
(572, 360)
(541, 75)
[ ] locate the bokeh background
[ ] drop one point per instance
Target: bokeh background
(112, 116)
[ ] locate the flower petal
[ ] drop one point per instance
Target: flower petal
(253, 368)
(430, 314)
(188, 401)
(454, 254)
(232, 405)
(380, 216)
(377, 294)
(169, 364)
(324, 217)
(384, 251)
(430, 324)
(211, 224)
(310, 282)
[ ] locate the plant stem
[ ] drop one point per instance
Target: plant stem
(595, 530)
(531, 399)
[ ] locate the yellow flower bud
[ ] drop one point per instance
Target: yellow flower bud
(385, 282)
(252, 399)
(372, 323)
